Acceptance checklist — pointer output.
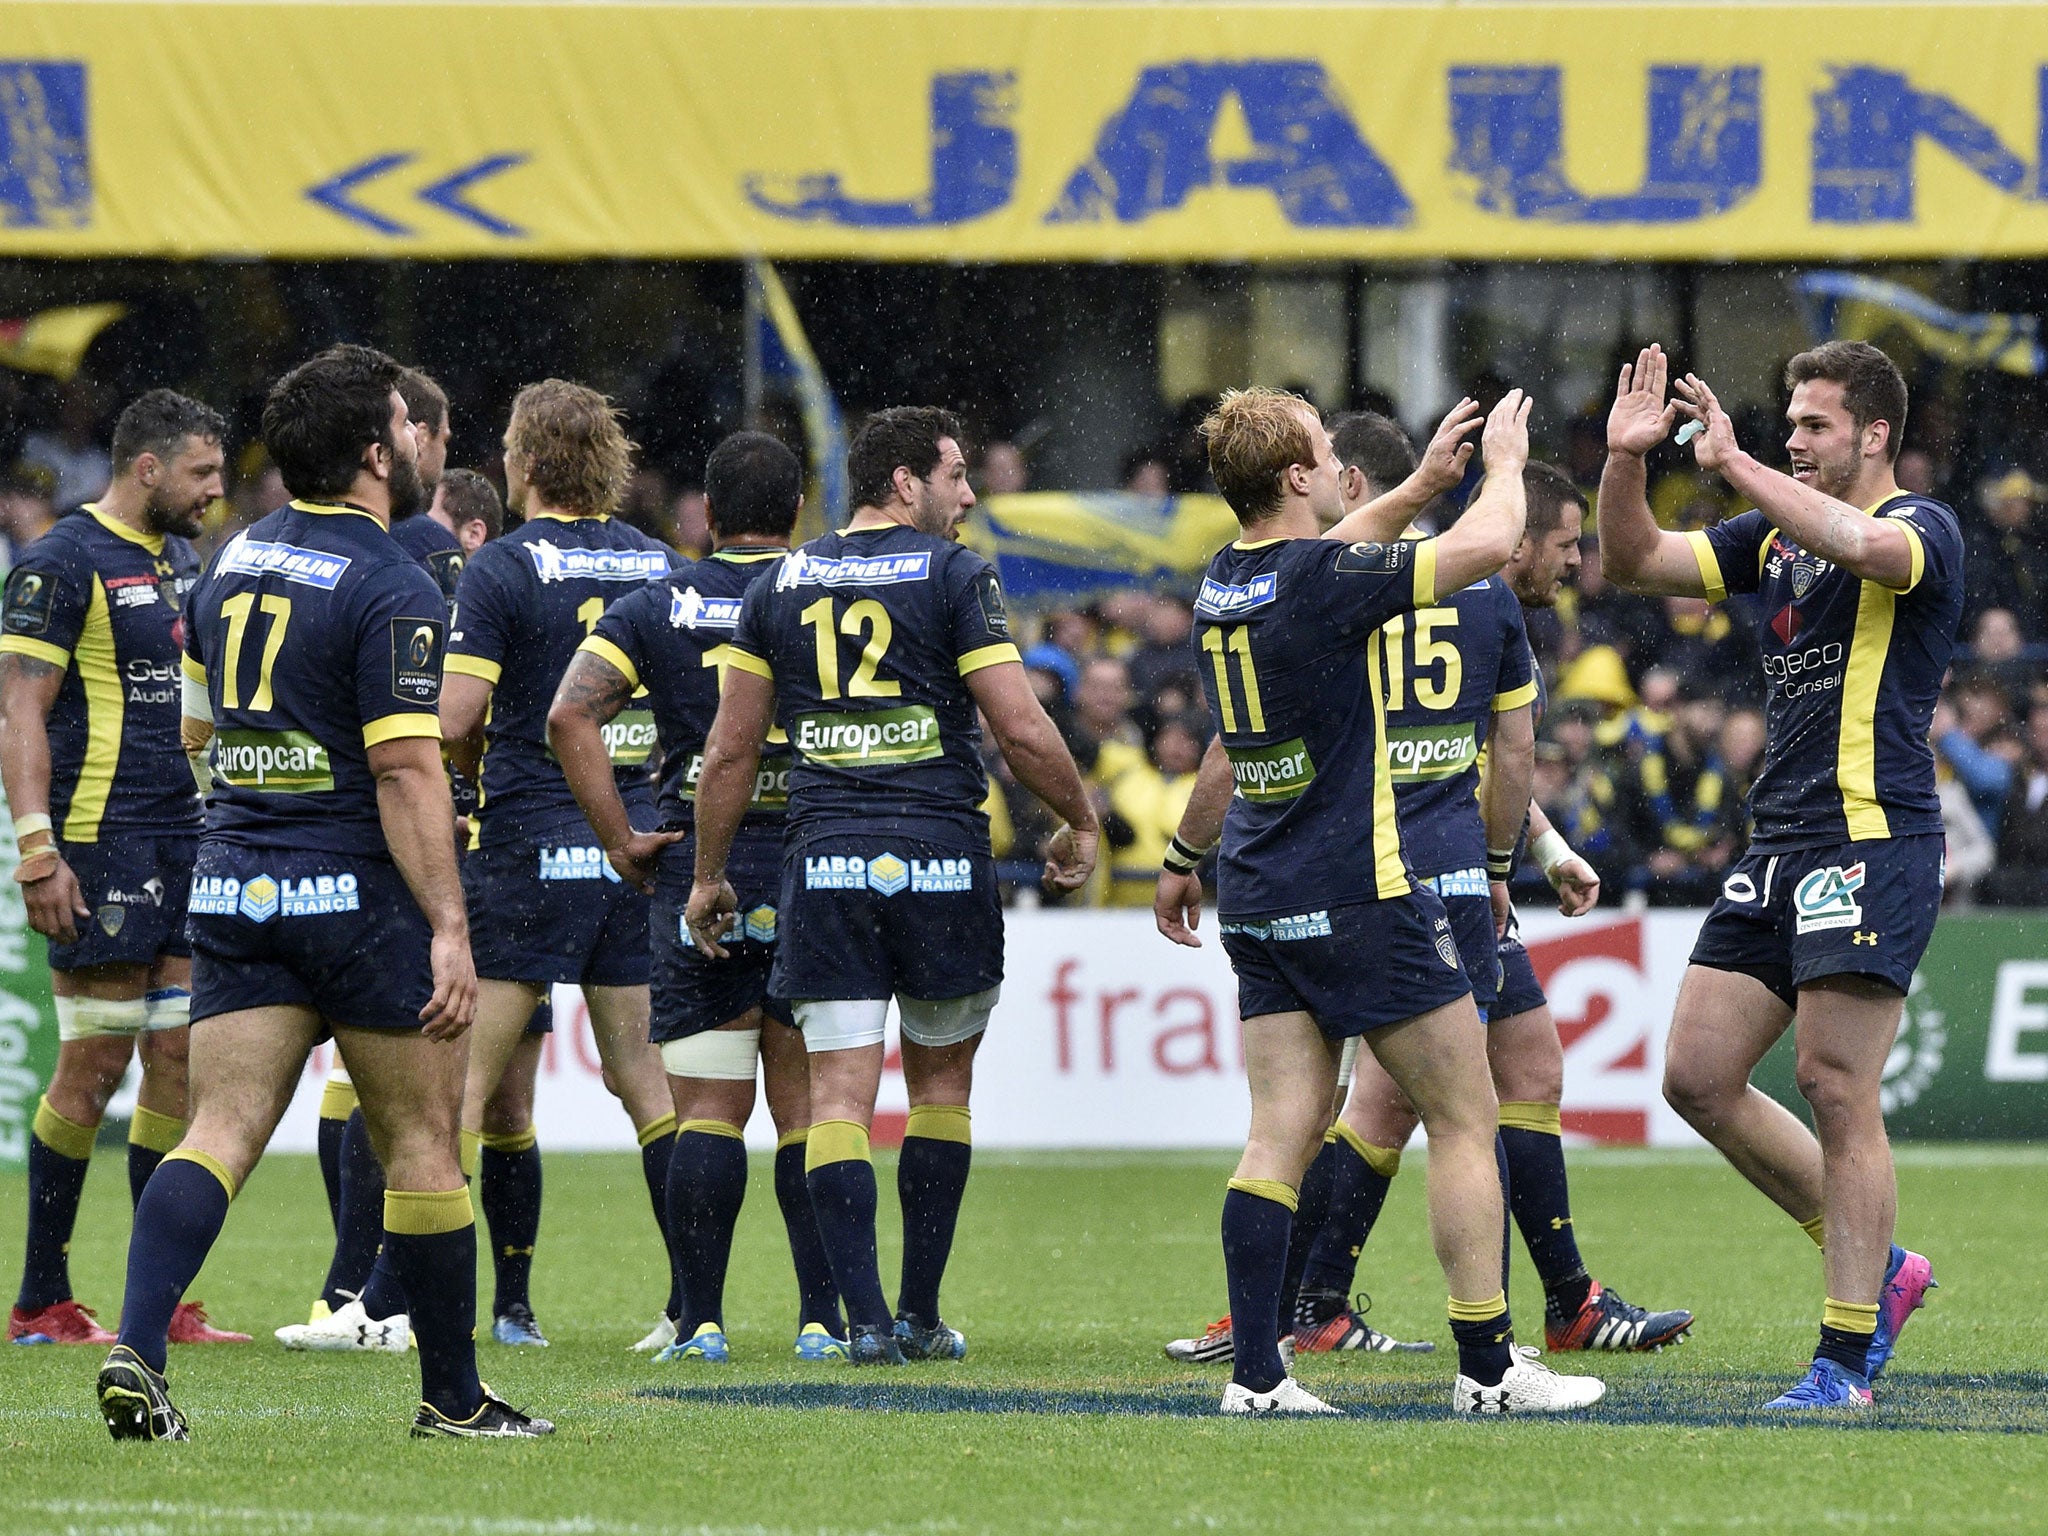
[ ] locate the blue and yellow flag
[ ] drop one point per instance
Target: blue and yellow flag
(787, 359)
(1847, 306)
(1053, 548)
(54, 340)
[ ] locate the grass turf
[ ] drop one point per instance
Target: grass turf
(1069, 1272)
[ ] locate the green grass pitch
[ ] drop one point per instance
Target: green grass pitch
(1070, 1271)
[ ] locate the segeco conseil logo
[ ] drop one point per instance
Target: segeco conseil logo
(1916, 1056)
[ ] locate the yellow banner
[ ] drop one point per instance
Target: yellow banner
(1025, 132)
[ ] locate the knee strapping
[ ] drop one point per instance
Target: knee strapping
(89, 1018)
(722, 1055)
(949, 1021)
(167, 1008)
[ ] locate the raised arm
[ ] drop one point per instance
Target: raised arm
(725, 787)
(1484, 539)
(1031, 745)
(591, 694)
(1441, 468)
(29, 686)
(1634, 552)
(1879, 549)
(419, 827)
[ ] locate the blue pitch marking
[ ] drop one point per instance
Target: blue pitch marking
(2006, 1402)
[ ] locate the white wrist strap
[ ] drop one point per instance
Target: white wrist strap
(1551, 850)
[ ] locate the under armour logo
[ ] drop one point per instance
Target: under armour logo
(1559, 1223)
(1863, 936)
(516, 1253)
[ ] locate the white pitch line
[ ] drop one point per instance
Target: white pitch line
(157, 1510)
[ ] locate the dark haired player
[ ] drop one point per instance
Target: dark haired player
(324, 896)
(1821, 923)
(714, 1020)
(872, 648)
(107, 823)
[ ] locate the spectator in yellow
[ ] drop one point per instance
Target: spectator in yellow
(1145, 805)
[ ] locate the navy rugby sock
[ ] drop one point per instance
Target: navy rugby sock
(931, 1181)
(384, 1294)
(150, 1136)
(1846, 1330)
(1257, 1216)
(337, 1102)
(657, 1148)
(707, 1183)
(1540, 1198)
(509, 1188)
(175, 1226)
(360, 1226)
(817, 1297)
(1311, 1210)
(430, 1238)
(1360, 1176)
(841, 1172)
(1486, 1337)
(1507, 1202)
(59, 1155)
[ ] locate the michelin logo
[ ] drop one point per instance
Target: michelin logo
(575, 864)
(554, 563)
(308, 567)
(691, 609)
(804, 569)
(1222, 602)
(886, 874)
(260, 898)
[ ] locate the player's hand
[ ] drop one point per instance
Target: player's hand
(1070, 858)
(1506, 438)
(452, 1008)
(637, 856)
(1442, 467)
(1576, 884)
(1503, 907)
(709, 916)
(1716, 444)
(1641, 418)
(55, 904)
(1177, 907)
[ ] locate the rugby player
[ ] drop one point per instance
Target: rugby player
(324, 896)
(713, 1019)
(1329, 933)
(547, 906)
(1821, 923)
(107, 821)
(872, 648)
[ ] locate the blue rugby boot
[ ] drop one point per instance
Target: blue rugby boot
(817, 1342)
(1827, 1385)
(873, 1344)
(516, 1327)
(937, 1342)
(707, 1343)
(1907, 1280)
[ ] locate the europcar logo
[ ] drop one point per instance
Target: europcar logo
(1916, 1056)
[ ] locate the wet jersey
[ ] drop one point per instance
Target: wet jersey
(1449, 670)
(435, 548)
(671, 638)
(1852, 668)
(870, 638)
(527, 600)
(316, 638)
(1294, 663)
(106, 604)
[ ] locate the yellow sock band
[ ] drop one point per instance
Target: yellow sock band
(1817, 1230)
(1267, 1189)
(654, 1130)
(795, 1138)
(710, 1128)
(1384, 1161)
(1485, 1311)
(941, 1122)
(209, 1162)
(836, 1141)
(155, 1132)
(510, 1142)
(1849, 1316)
(469, 1153)
(337, 1100)
(420, 1213)
(1542, 1118)
(66, 1138)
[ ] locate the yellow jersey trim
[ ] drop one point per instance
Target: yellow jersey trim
(1856, 747)
(748, 554)
(192, 669)
(747, 661)
(393, 727)
(105, 711)
(1710, 566)
(474, 666)
(41, 650)
(612, 657)
(1255, 543)
(153, 542)
(1515, 698)
(571, 517)
(1425, 574)
(329, 509)
(988, 656)
(1390, 872)
(1919, 554)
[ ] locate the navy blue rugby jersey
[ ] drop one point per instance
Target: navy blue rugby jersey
(317, 638)
(869, 638)
(1853, 670)
(672, 638)
(107, 604)
(1449, 670)
(435, 548)
(1294, 659)
(526, 601)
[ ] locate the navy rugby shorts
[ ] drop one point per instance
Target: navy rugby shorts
(552, 909)
(136, 884)
(690, 992)
(877, 917)
(1470, 909)
(1520, 991)
(1351, 969)
(1861, 909)
(335, 932)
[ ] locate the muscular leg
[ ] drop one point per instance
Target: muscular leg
(632, 1070)
(502, 1011)
(1845, 1031)
(786, 1082)
(1527, 1059)
(509, 1176)
(931, 1173)
(707, 1182)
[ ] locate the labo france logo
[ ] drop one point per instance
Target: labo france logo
(260, 897)
(885, 874)
(572, 863)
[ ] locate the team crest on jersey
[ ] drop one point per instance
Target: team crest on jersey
(691, 609)
(1446, 946)
(245, 556)
(1826, 898)
(804, 569)
(551, 562)
(1220, 600)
